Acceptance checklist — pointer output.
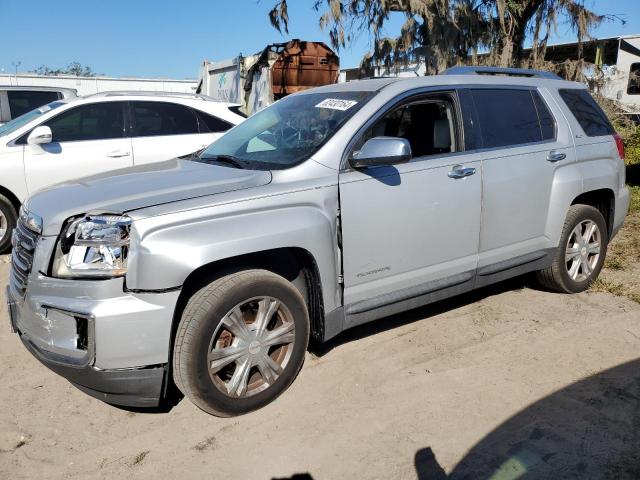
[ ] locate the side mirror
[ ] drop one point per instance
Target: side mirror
(380, 151)
(40, 135)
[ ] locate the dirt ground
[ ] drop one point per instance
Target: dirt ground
(500, 382)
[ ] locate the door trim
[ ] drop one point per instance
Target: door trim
(407, 299)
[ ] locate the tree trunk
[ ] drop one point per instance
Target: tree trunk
(513, 44)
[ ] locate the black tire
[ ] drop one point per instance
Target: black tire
(201, 318)
(557, 277)
(9, 213)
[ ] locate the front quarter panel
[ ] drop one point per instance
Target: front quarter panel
(167, 248)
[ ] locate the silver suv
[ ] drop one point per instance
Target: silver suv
(334, 207)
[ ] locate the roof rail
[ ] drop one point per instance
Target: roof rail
(143, 93)
(513, 72)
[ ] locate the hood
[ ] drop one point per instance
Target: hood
(138, 187)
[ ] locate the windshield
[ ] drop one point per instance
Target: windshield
(22, 120)
(288, 132)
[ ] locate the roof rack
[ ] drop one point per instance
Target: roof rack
(512, 72)
(143, 93)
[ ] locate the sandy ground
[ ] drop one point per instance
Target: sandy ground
(503, 381)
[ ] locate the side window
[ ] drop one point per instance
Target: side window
(153, 119)
(95, 121)
(507, 117)
(547, 122)
(633, 88)
(23, 101)
(428, 124)
(587, 112)
(210, 124)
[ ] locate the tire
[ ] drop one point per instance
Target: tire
(8, 221)
(220, 351)
(569, 273)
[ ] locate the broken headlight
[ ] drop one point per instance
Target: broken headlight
(93, 246)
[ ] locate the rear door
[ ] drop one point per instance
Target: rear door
(87, 139)
(592, 134)
(522, 146)
(411, 229)
(164, 130)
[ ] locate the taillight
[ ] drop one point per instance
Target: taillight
(620, 145)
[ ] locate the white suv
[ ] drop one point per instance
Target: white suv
(72, 138)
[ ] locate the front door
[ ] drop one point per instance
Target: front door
(86, 140)
(411, 229)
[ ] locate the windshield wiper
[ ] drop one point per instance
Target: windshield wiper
(226, 160)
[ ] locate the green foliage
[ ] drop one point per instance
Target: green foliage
(635, 199)
(74, 68)
(442, 33)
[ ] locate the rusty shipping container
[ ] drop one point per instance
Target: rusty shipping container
(302, 65)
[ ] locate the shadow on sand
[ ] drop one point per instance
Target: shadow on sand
(588, 430)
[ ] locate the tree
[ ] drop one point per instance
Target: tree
(74, 68)
(442, 33)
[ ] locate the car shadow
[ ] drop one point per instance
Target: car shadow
(320, 349)
(295, 476)
(633, 175)
(174, 396)
(590, 429)
(387, 174)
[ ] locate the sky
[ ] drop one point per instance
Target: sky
(170, 39)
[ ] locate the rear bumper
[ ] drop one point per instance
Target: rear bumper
(137, 387)
(623, 202)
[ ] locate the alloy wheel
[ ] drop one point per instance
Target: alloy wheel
(3, 225)
(583, 250)
(251, 347)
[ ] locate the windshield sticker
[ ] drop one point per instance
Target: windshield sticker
(336, 104)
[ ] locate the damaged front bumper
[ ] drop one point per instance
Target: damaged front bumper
(110, 343)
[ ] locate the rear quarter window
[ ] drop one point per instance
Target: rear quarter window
(210, 124)
(587, 112)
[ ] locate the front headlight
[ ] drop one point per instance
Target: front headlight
(93, 246)
(32, 221)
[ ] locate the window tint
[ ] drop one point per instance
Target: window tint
(587, 112)
(211, 124)
(633, 88)
(547, 123)
(507, 117)
(23, 101)
(94, 121)
(163, 118)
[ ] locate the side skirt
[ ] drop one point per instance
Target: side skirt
(430, 292)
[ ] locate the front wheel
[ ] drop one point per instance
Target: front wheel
(581, 253)
(241, 342)
(8, 219)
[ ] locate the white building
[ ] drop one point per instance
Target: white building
(89, 85)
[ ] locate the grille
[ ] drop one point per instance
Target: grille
(24, 246)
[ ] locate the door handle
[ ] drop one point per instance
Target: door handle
(459, 172)
(118, 154)
(556, 156)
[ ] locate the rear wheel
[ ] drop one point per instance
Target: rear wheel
(581, 252)
(241, 342)
(8, 219)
